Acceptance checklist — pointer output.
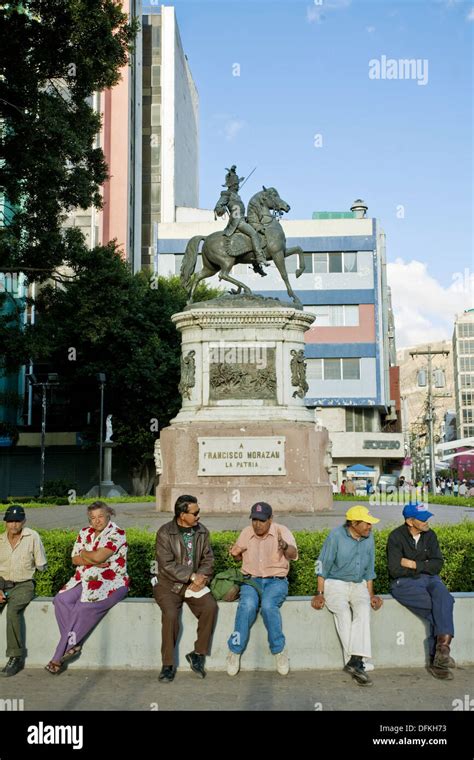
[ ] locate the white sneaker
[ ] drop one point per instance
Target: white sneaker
(282, 663)
(368, 666)
(233, 663)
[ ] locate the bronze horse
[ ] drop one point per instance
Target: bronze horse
(261, 214)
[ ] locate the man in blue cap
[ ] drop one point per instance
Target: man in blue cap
(21, 554)
(414, 563)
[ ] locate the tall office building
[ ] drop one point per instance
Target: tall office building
(149, 137)
(463, 358)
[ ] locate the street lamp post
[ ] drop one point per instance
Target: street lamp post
(102, 379)
(50, 383)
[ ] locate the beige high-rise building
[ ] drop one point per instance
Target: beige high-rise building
(463, 362)
(414, 397)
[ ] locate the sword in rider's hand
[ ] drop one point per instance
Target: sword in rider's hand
(248, 177)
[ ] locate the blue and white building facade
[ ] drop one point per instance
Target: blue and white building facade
(351, 346)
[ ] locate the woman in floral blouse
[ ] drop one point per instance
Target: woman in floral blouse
(100, 581)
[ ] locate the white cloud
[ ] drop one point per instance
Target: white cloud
(232, 128)
(316, 13)
(370, 29)
(425, 309)
(227, 126)
(470, 15)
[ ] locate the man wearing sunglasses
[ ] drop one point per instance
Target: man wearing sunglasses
(185, 563)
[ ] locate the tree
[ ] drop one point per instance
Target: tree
(107, 320)
(54, 55)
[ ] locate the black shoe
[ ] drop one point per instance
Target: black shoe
(167, 674)
(355, 667)
(258, 269)
(13, 666)
(196, 662)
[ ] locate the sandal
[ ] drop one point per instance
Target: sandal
(71, 653)
(55, 668)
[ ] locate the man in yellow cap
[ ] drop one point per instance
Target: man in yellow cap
(346, 572)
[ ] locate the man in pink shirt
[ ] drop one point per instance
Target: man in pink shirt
(265, 549)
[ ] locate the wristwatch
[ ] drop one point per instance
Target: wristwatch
(319, 593)
(193, 577)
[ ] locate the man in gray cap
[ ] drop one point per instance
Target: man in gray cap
(265, 549)
(21, 554)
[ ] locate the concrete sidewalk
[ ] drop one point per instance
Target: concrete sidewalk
(143, 515)
(401, 689)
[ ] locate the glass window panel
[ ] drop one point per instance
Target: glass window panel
(322, 316)
(350, 262)
(314, 369)
(155, 76)
(336, 315)
(335, 262)
(467, 381)
(321, 262)
(291, 263)
(177, 263)
(359, 420)
(156, 114)
(351, 369)
(332, 369)
(349, 421)
(351, 316)
(308, 262)
(368, 420)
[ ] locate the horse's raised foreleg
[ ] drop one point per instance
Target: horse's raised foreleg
(302, 264)
(279, 259)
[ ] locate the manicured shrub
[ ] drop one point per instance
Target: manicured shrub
(456, 542)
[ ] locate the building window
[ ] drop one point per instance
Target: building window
(468, 431)
(334, 369)
(466, 363)
(466, 330)
(359, 420)
(335, 316)
(466, 347)
(467, 381)
(334, 262)
(351, 369)
(467, 399)
(467, 415)
(178, 260)
(314, 369)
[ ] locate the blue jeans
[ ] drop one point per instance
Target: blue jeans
(274, 592)
(427, 597)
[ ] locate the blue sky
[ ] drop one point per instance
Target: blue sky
(404, 147)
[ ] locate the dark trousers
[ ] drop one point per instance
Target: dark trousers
(427, 597)
(19, 598)
(170, 603)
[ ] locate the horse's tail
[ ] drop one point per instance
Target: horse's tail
(188, 264)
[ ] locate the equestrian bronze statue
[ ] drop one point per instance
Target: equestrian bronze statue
(256, 238)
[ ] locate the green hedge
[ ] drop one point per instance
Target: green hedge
(456, 541)
(61, 501)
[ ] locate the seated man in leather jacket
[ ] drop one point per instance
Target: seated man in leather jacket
(185, 563)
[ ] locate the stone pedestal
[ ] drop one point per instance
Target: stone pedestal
(243, 433)
(107, 486)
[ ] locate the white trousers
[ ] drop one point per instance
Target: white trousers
(350, 604)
